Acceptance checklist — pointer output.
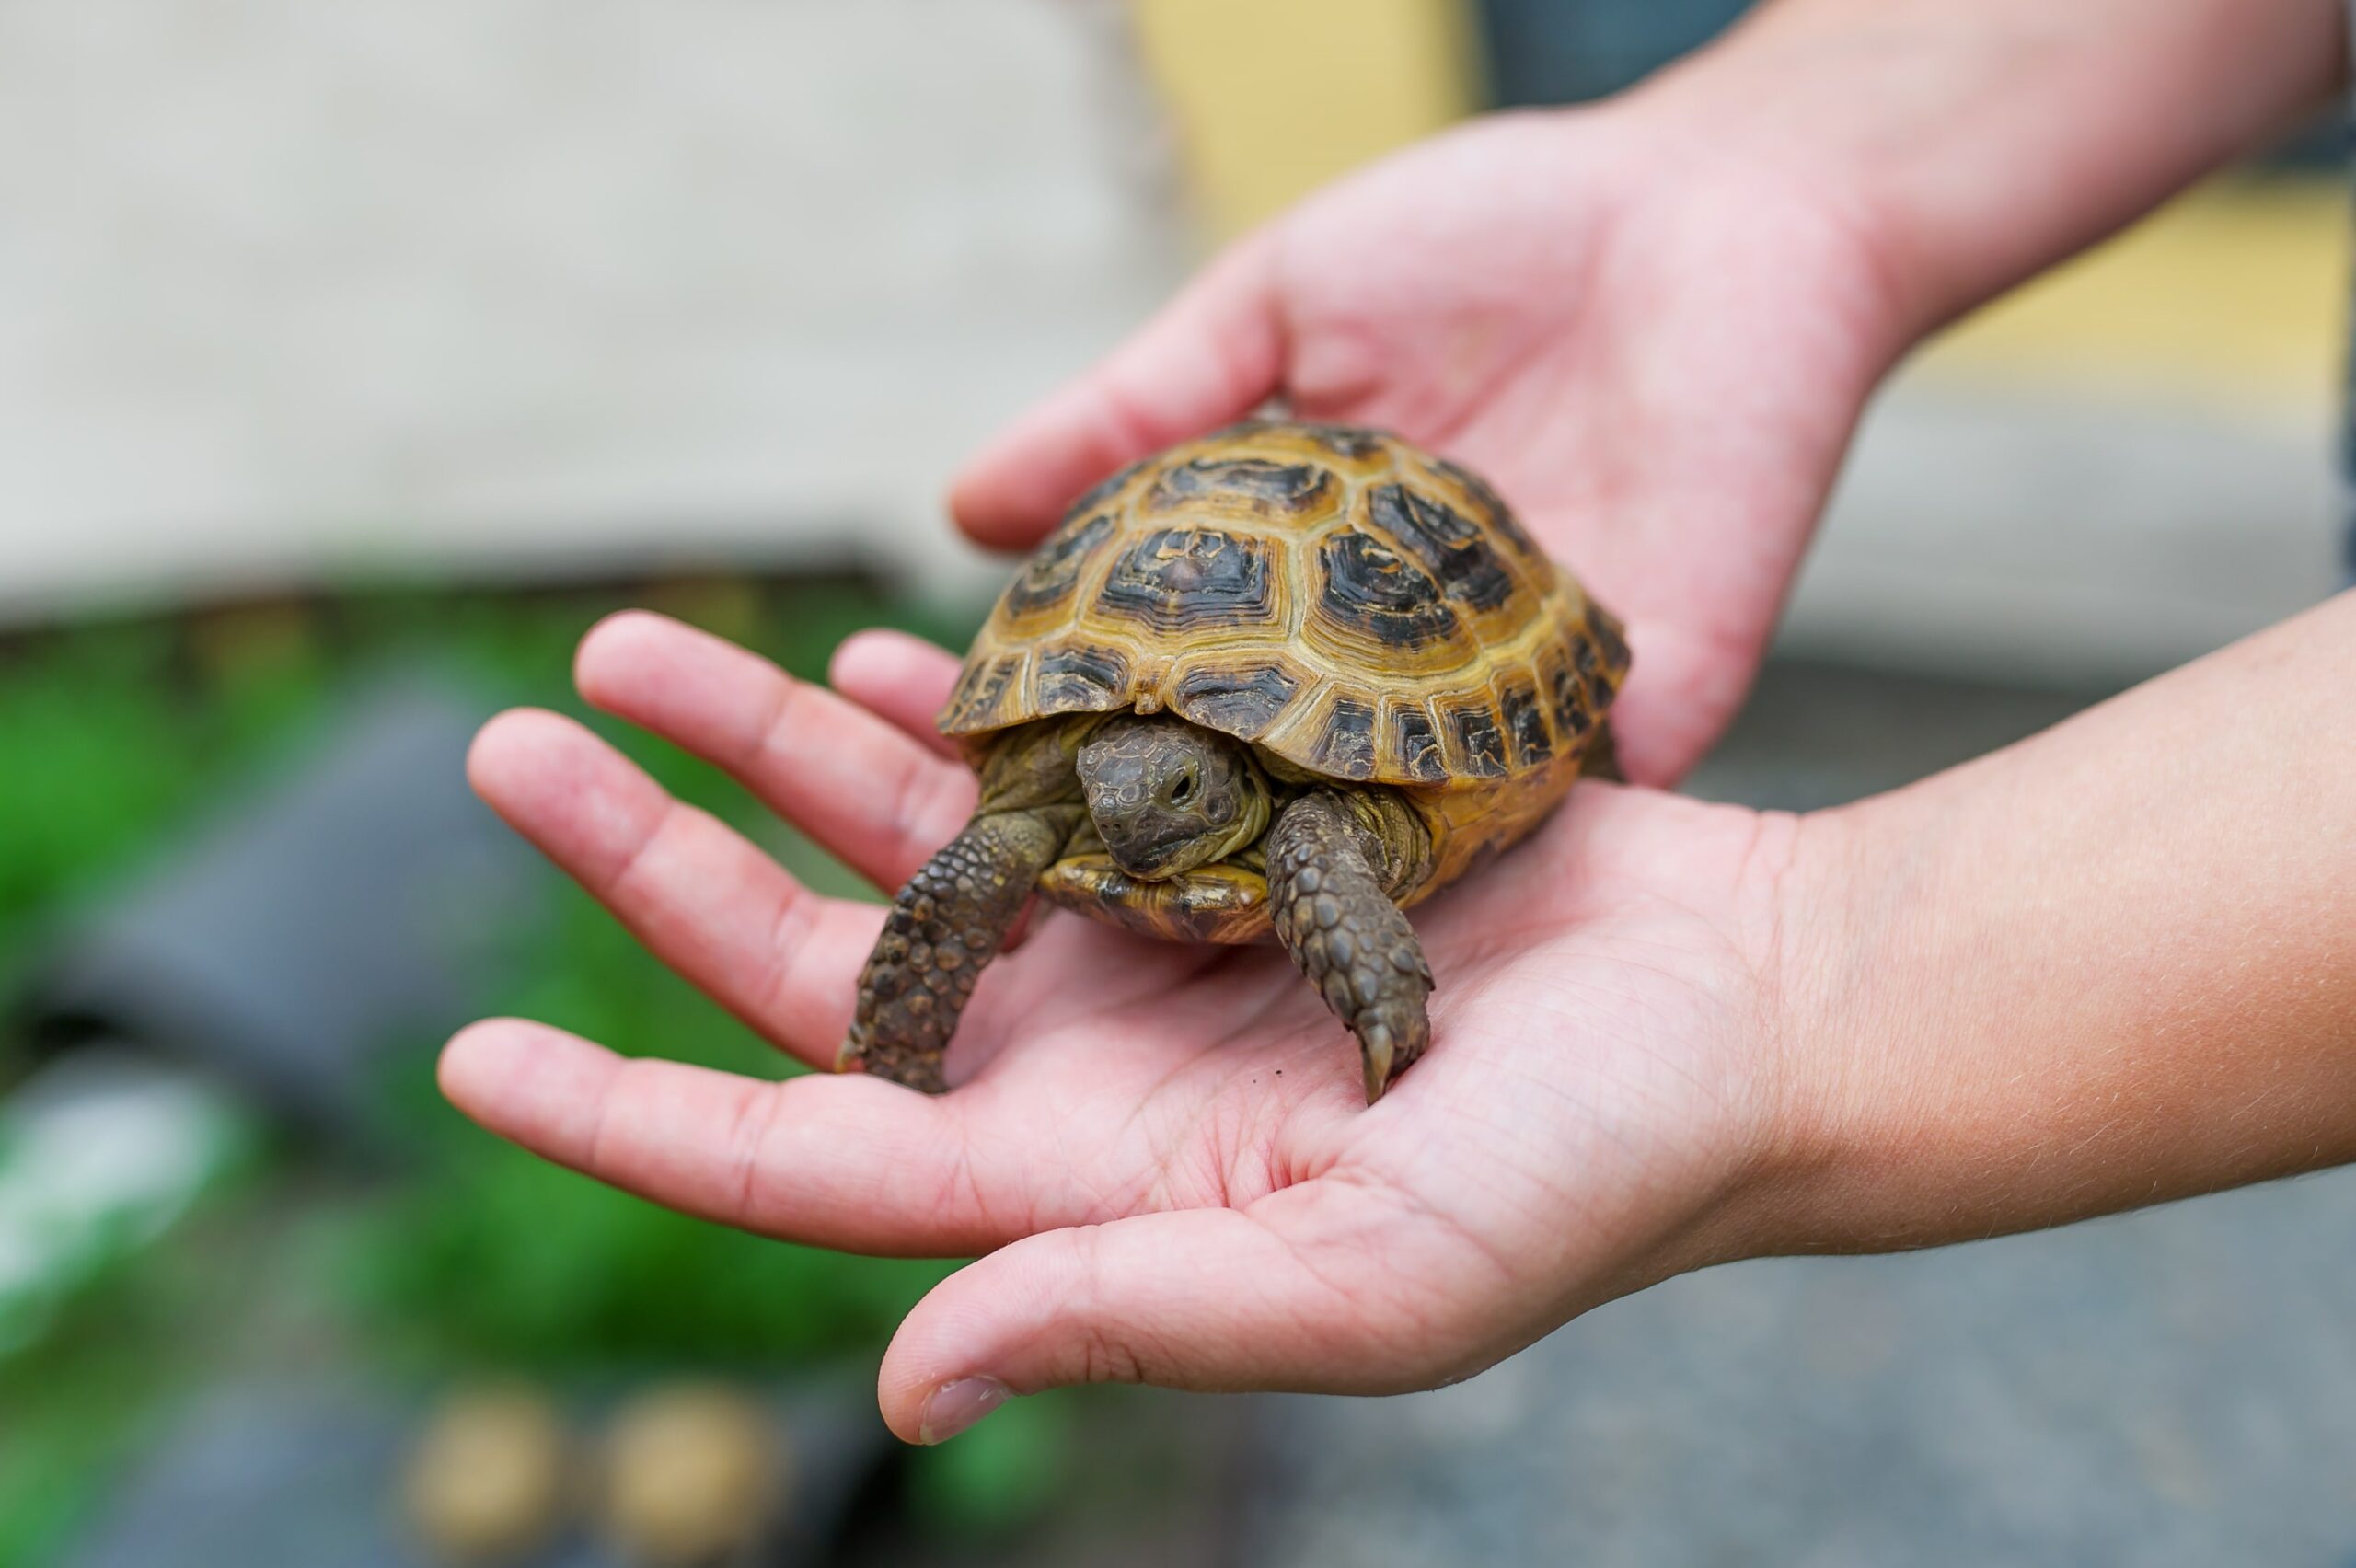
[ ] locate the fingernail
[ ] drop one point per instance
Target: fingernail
(952, 1407)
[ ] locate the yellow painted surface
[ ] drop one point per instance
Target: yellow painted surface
(1273, 97)
(2236, 293)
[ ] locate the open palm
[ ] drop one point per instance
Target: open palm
(1163, 1150)
(1655, 349)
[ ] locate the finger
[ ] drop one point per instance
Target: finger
(905, 681)
(1293, 1293)
(849, 1162)
(899, 678)
(855, 783)
(709, 904)
(1680, 693)
(1209, 357)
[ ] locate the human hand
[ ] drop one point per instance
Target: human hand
(1654, 347)
(1163, 1150)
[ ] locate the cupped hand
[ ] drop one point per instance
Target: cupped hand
(1654, 345)
(1162, 1153)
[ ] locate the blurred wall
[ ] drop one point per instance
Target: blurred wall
(1544, 51)
(2120, 468)
(1273, 97)
(546, 286)
(541, 285)
(2123, 465)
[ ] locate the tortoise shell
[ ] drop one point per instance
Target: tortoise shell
(1356, 608)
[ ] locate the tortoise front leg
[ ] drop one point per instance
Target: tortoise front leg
(1328, 870)
(948, 922)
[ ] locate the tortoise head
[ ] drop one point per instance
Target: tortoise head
(1169, 796)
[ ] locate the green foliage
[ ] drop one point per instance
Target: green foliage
(71, 1415)
(495, 1258)
(99, 752)
(59, 1447)
(999, 1476)
(504, 1261)
(476, 1254)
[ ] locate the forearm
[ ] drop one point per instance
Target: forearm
(1980, 143)
(2112, 966)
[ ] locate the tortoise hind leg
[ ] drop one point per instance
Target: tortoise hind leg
(946, 924)
(1327, 893)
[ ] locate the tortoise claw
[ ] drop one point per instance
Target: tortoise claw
(1375, 1047)
(943, 927)
(1332, 914)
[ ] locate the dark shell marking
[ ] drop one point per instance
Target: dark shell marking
(1346, 750)
(1611, 645)
(1050, 573)
(1081, 680)
(1450, 547)
(1284, 489)
(1371, 589)
(1479, 743)
(985, 684)
(1353, 441)
(1190, 580)
(1526, 724)
(1242, 700)
(1588, 656)
(1571, 717)
(1418, 744)
(1495, 514)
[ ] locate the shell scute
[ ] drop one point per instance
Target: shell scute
(1479, 745)
(1416, 744)
(1526, 722)
(1240, 699)
(1358, 609)
(1447, 544)
(1491, 512)
(1049, 576)
(1345, 750)
(1186, 580)
(1368, 592)
(1081, 680)
(1245, 485)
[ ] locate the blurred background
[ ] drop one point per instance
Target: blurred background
(355, 358)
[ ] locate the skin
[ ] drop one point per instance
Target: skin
(2102, 968)
(1165, 798)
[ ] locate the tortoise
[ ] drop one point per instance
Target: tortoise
(1283, 681)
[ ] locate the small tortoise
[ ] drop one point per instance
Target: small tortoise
(1283, 680)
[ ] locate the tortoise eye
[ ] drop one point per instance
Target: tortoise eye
(1184, 791)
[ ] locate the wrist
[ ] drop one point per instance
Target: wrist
(1831, 114)
(1971, 148)
(1749, 125)
(1851, 1135)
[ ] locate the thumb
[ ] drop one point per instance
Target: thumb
(1207, 358)
(1197, 1298)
